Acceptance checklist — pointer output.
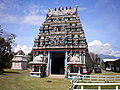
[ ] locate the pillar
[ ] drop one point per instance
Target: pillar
(66, 54)
(48, 63)
(39, 69)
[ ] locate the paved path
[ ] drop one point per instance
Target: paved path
(14, 75)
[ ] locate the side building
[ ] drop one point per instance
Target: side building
(19, 61)
(61, 47)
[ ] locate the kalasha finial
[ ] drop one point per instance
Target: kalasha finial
(55, 9)
(70, 7)
(49, 9)
(66, 7)
(62, 8)
(76, 6)
(59, 8)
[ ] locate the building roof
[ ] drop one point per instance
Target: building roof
(110, 60)
(62, 11)
(20, 52)
(74, 59)
(37, 58)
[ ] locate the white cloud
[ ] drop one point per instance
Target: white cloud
(98, 47)
(82, 8)
(33, 19)
(25, 48)
(2, 6)
(6, 18)
(34, 9)
(5, 15)
(95, 42)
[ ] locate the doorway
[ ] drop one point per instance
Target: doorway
(57, 64)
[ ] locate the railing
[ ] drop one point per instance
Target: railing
(96, 84)
(101, 80)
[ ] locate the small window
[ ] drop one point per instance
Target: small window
(59, 29)
(46, 31)
(36, 68)
(75, 36)
(73, 69)
(60, 19)
(42, 37)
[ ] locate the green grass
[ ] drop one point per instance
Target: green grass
(19, 80)
(106, 73)
(96, 87)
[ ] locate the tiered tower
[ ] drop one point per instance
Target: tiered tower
(61, 44)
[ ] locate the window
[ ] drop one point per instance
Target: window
(42, 37)
(75, 36)
(59, 29)
(41, 31)
(60, 19)
(46, 31)
(73, 24)
(73, 69)
(36, 68)
(73, 29)
(42, 69)
(65, 19)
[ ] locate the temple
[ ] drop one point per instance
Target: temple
(61, 47)
(19, 61)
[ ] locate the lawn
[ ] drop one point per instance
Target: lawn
(20, 80)
(106, 73)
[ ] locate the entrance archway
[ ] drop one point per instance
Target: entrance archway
(57, 64)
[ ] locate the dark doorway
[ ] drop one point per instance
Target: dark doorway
(57, 63)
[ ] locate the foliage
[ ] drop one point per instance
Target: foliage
(6, 54)
(95, 58)
(30, 56)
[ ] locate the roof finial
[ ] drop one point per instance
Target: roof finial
(66, 7)
(55, 9)
(59, 8)
(76, 6)
(49, 9)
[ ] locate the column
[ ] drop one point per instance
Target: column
(50, 65)
(79, 69)
(39, 69)
(66, 54)
(47, 66)
(84, 60)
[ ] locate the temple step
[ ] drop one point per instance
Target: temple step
(56, 76)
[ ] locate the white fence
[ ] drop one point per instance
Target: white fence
(96, 80)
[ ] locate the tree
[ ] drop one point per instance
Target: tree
(6, 54)
(30, 57)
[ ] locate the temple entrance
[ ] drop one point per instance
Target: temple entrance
(57, 64)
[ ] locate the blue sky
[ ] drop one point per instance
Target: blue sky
(100, 19)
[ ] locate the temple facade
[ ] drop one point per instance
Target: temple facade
(61, 47)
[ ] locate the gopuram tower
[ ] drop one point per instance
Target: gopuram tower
(61, 47)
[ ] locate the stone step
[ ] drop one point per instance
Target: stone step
(56, 76)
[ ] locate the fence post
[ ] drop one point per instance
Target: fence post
(116, 87)
(99, 87)
(90, 78)
(81, 87)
